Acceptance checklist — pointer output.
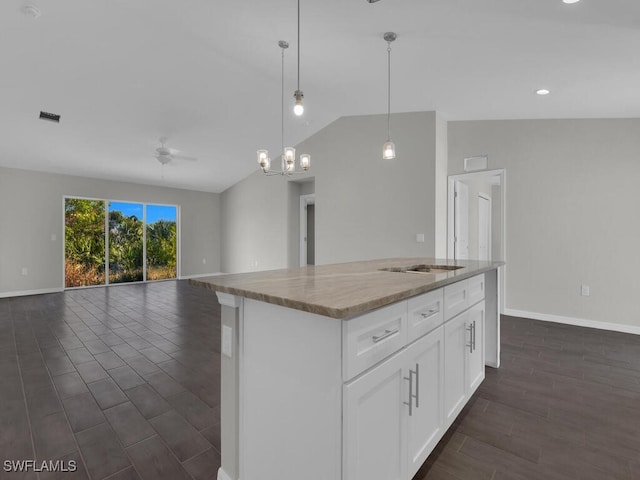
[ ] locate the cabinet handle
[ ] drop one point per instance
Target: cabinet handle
(470, 330)
(429, 313)
(474, 335)
(410, 402)
(386, 334)
(417, 394)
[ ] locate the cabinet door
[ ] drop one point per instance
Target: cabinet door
(425, 358)
(455, 363)
(375, 423)
(476, 357)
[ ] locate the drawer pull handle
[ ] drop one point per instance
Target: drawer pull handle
(386, 334)
(429, 313)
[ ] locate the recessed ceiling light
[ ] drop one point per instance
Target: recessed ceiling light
(570, 1)
(543, 91)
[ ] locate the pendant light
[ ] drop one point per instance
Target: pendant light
(288, 166)
(389, 148)
(298, 107)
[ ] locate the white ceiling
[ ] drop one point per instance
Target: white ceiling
(206, 74)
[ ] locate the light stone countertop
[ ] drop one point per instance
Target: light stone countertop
(343, 290)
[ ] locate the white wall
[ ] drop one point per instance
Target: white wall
(365, 207)
(31, 210)
(572, 212)
(254, 224)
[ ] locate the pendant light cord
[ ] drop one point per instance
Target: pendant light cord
(282, 110)
(388, 91)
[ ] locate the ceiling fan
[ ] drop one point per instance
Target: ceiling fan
(165, 154)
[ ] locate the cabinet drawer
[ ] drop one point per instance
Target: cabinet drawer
(424, 314)
(371, 338)
(456, 299)
(476, 289)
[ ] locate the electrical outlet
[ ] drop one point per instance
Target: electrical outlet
(584, 290)
(24, 271)
(204, 261)
(420, 237)
(54, 237)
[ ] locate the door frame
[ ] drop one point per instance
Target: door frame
(451, 179)
(484, 196)
(305, 200)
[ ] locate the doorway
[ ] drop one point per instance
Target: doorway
(469, 237)
(307, 229)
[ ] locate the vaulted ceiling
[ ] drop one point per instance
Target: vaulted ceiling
(206, 74)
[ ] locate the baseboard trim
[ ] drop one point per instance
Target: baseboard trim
(24, 293)
(200, 275)
(222, 475)
(579, 322)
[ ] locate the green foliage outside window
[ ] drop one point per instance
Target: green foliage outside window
(85, 246)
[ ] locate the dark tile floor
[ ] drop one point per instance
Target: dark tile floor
(565, 405)
(125, 381)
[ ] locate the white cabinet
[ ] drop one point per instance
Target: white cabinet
(393, 413)
(425, 426)
(475, 353)
(374, 423)
(456, 338)
(464, 359)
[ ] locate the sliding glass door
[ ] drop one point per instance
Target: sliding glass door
(118, 242)
(162, 242)
(84, 227)
(126, 229)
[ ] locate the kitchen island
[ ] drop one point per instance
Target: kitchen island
(351, 371)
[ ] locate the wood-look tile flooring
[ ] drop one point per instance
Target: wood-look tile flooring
(565, 405)
(125, 381)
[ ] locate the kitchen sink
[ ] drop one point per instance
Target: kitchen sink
(422, 268)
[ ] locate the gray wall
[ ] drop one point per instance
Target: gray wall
(254, 228)
(32, 211)
(572, 211)
(365, 207)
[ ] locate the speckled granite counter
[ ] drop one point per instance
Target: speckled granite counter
(343, 290)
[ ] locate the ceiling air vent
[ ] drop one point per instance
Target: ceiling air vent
(52, 117)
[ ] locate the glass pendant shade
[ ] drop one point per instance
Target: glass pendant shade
(298, 108)
(289, 155)
(263, 158)
(305, 161)
(267, 165)
(388, 150)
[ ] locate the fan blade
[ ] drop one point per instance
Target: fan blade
(183, 157)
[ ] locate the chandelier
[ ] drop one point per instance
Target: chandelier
(288, 159)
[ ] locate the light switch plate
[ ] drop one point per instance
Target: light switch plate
(420, 237)
(227, 341)
(584, 290)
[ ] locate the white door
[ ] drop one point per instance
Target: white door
(461, 221)
(476, 352)
(484, 227)
(455, 361)
(426, 359)
(375, 423)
